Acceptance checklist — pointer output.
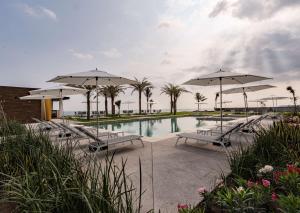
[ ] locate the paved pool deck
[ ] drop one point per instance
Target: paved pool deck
(177, 171)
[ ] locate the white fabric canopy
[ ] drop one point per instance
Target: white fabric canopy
(90, 78)
(247, 89)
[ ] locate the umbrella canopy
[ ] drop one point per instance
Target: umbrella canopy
(244, 90)
(274, 100)
(91, 77)
(38, 97)
(58, 91)
(247, 89)
(224, 78)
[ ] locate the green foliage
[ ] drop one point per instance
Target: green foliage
(289, 203)
(37, 176)
(278, 145)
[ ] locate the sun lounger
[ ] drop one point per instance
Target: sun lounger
(215, 139)
(104, 144)
(42, 125)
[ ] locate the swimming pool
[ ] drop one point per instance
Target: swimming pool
(159, 127)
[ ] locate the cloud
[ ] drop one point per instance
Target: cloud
(49, 13)
(165, 62)
(112, 53)
(83, 56)
(254, 9)
(196, 69)
(38, 11)
(169, 23)
(220, 7)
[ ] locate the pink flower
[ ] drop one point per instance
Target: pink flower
(202, 190)
(265, 183)
(250, 184)
(274, 196)
(182, 206)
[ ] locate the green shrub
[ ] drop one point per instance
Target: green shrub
(37, 176)
(289, 203)
(278, 145)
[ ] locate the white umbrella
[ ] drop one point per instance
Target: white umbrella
(93, 78)
(274, 99)
(244, 91)
(258, 101)
(224, 78)
(58, 91)
(39, 97)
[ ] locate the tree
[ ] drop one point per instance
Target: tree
(114, 91)
(199, 98)
(148, 94)
(177, 91)
(174, 91)
(168, 90)
(118, 104)
(292, 91)
(140, 87)
(216, 100)
(104, 92)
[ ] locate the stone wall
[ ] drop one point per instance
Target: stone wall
(20, 110)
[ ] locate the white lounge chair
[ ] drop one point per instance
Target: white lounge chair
(104, 144)
(221, 139)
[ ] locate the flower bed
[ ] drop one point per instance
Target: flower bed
(265, 177)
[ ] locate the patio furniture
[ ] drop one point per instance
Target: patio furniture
(104, 144)
(222, 139)
(204, 131)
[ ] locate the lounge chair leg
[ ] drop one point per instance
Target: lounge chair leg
(142, 142)
(177, 140)
(185, 140)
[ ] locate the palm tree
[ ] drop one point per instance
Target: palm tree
(148, 94)
(118, 104)
(114, 91)
(216, 100)
(177, 91)
(292, 91)
(199, 98)
(168, 90)
(140, 87)
(104, 92)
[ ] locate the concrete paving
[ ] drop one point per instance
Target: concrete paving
(177, 172)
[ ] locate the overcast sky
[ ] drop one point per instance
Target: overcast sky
(163, 40)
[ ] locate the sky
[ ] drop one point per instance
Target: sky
(166, 41)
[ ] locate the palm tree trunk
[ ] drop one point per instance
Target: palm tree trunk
(88, 105)
(106, 105)
(171, 104)
(112, 98)
(175, 105)
(147, 98)
(140, 102)
(295, 105)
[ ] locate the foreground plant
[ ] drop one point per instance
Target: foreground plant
(37, 176)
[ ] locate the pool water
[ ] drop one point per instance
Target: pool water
(159, 127)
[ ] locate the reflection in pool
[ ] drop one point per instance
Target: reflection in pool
(159, 127)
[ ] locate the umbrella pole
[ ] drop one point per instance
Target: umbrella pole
(97, 106)
(221, 110)
(62, 108)
(245, 100)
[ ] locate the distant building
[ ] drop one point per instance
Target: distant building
(20, 110)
